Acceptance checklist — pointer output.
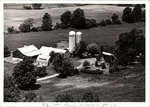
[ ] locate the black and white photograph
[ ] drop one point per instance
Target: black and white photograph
(74, 52)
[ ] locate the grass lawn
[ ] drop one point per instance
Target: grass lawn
(124, 86)
(127, 85)
(101, 35)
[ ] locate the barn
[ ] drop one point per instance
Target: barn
(26, 51)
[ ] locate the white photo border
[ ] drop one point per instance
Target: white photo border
(76, 104)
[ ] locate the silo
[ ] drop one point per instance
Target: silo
(78, 37)
(72, 41)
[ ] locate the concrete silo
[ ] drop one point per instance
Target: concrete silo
(72, 42)
(78, 37)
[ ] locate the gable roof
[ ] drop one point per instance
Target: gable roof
(30, 50)
(47, 50)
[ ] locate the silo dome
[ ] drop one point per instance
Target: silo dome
(72, 33)
(79, 33)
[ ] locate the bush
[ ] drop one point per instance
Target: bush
(90, 97)
(102, 23)
(108, 22)
(11, 29)
(86, 63)
(64, 98)
(93, 49)
(26, 25)
(36, 29)
(46, 22)
(6, 51)
(30, 97)
(36, 6)
(41, 71)
(27, 7)
(115, 19)
(24, 74)
(66, 19)
(90, 23)
(78, 20)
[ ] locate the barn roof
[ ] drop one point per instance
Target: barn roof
(30, 50)
(47, 50)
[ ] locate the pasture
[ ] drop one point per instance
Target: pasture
(101, 35)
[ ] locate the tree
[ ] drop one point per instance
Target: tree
(6, 51)
(78, 20)
(24, 74)
(127, 15)
(11, 92)
(80, 49)
(26, 25)
(46, 22)
(137, 13)
(36, 6)
(66, 18)
(129, 45)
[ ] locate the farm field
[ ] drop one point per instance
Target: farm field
(101, 35)
(14, 17)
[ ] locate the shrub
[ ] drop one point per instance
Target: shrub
(86, 63)
(41, 71)
(93, 49)
(30, 96)
(27, 7)
(78, 20)
(11, 92)
(11, 29)
(90, 23)
(115, 19)
(36, 29)
(90, 97)
(24, 74)
(26, 25)
(36, 6)
(6, 51)
(46, 22)
(66, 18)
(64, 98)
(102, 23)
(108, 22)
